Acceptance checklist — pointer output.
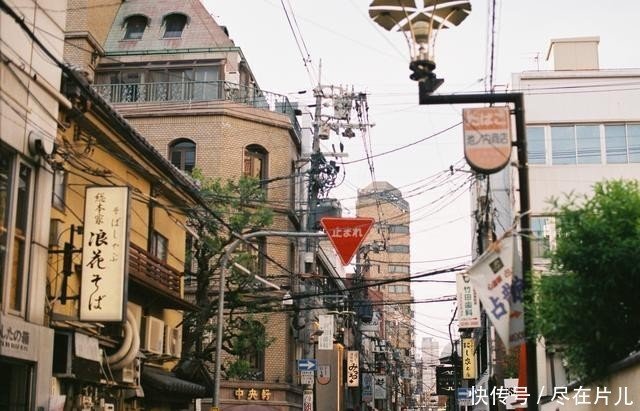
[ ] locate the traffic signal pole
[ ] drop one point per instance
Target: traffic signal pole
(517, 99)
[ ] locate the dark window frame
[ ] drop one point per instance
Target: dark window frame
(183, 147)
(135, 26)
(174, 25)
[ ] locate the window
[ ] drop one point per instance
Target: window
(402, 229)
(255, 335)
(15, 205)
(174, 24)
(398, 289)
(135, 26)
(255, 163)
(535, 145)
(159, 246)
(585, 144)
(59, 189)
(258, 250)
(182, 154)
(16, 380)
(398, 248)
(543, 236)
(622, 143)
(395, 268)
(563, 145)
(588, 144)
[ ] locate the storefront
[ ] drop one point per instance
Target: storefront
(25, 366)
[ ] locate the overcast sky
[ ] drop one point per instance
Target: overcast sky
(355, 52)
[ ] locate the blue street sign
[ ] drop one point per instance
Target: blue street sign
(307, 364)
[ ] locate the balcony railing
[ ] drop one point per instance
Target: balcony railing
(153, 272)
(195, 91)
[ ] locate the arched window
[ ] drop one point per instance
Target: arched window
(255, 334)
(182, 154)
(255, 162)
(174, 24)
(135, 26)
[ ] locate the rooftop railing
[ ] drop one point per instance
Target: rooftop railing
(197, 91)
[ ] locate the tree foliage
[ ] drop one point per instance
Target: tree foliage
(231, 207)
(589, 306)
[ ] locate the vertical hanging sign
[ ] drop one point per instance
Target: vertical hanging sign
(468, 359)
(353, 369)
(325, 340)
(468, 304)
(105, 246)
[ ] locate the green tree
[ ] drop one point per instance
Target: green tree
(588, 306)
(233, 207)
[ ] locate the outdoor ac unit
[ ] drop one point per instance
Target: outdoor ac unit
(172, 341)
(153, 335)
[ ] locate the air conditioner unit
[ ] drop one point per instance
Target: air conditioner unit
(172, 341)
(153, 335)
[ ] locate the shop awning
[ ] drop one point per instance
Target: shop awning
(166, 382)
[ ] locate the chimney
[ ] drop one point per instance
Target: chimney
(578, 53)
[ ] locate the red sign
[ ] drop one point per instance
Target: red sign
(346, 234)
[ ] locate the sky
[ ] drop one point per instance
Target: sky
(340, 45)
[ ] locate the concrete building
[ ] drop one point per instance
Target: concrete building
(391, 232)
(430, 351)
(29, 99)
(583, 127)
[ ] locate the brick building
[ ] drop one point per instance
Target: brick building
(175, 75)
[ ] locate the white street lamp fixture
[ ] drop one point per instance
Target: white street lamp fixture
(420, 21)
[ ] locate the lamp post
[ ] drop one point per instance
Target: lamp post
(224, 262)
(420, 22)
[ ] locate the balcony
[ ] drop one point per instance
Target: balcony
(198, 91)
(149, 274)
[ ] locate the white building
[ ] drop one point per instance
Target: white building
(583, 126)
(430, 358)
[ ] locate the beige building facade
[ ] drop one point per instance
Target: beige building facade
(176, 76)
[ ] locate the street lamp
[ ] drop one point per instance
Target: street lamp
(420, 21)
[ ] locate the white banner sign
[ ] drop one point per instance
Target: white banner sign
(105, 247)
(500, 289)
(353, 368)
(380, 387)
(468, 304)
(325, 340)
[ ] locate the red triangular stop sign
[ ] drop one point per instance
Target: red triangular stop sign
(346, 234)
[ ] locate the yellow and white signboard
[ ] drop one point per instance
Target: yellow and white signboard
(105, 248)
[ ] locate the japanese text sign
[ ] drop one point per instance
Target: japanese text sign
(468, 358)
(104, 254)
(353, 369)
(346, 234)
(487, 138)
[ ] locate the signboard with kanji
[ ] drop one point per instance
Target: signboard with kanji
(353, 368)
(346, 234)
(487, 138)
(468, 303)
(105, 247)
(468, 359)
